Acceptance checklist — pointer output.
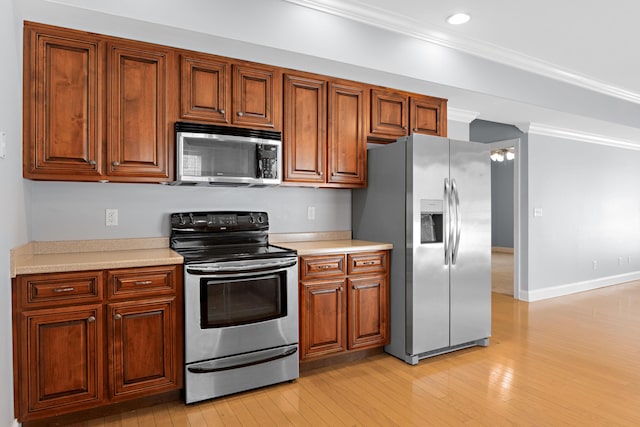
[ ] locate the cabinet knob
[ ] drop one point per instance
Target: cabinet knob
(222, 111)
(91, 319)
(116, 164)
(320, 173)
(240, 114)
(117, 316)
(415, 129)
(341, 289)
(404, 128)
(92, 162)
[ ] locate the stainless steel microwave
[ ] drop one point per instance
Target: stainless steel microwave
(221, 155)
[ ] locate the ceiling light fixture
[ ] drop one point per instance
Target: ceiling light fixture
(502, 154)
(458, 18)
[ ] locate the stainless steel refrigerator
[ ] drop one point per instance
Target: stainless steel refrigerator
(431, 198)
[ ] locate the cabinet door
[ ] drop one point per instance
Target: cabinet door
(143, 348)
(63, 104)
(347, 145)
(305, 128)
(429, 116)
(138, 141)
(389, 115)
(205, 89)
(368, 311)
(257, 96)
(323, 318)
(61, 358)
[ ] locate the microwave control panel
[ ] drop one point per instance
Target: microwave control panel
(267, 161)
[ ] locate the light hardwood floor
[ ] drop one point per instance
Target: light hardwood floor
(569, 361)
(502, 272)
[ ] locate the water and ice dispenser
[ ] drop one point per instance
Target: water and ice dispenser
(431, 220)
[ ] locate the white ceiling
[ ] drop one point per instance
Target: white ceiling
(579, 42)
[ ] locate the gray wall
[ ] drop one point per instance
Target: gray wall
(13, 214)
(590, 204)
(502, 180)
(76, 210)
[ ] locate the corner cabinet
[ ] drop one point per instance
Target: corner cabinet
(324, 131)
(96, 108)
(395, 114)
(344, 303)
(88, 339)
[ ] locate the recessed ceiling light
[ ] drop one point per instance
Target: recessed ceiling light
(458, 18)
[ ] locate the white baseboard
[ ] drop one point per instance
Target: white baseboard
(572, 288)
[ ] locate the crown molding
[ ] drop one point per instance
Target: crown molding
(547, 130)
(361, 12)
(458, 115)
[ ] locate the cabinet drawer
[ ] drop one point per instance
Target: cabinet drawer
(321, 266)
(60, 289)
(370, 262)
(141, 281)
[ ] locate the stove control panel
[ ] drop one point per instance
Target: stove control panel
(219, 221)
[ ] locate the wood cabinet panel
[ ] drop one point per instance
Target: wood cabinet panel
(428, 116)
(257, 96)
(64, 362)
(389, 115)
(125, 283)
(368, 307)
(321, 266)
(347, 150)
(63, 103)
(305, 125)
(142, 346)
(205, 88)
(43, 290)
(324, 317)
(138, 127)
(331, 322)
(70, 376)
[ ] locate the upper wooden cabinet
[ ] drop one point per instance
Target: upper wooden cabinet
(324, 131)
(69, 131)
(347, 144)
(204, 91)
(63, 103)
(257, 96)
(395, 114)
(428, 115)
(223, 91)
(305, 129)
(139, 139)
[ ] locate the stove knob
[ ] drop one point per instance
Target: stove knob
(192, 219)
(252, 220)
(182, 220)
(260, 219)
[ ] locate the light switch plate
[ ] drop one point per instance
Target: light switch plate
(3, 145)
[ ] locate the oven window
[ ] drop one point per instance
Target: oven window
(242, 301)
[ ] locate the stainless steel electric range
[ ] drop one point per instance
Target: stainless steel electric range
(241, 303)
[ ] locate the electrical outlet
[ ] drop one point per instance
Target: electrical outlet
(111, 217)
(311, 213)
(3, 145)
(595, 264)
(619, 260)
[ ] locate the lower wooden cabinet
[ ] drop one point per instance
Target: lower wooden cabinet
(343, 309)
(77, 346)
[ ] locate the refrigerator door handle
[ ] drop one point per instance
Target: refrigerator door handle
(456, 244)
(447, 222)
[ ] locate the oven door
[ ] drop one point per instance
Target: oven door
(240, 306)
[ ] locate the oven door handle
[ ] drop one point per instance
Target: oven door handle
(226, 269)
(225, 365)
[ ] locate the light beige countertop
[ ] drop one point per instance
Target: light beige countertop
(325, 243)
(82, 255)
